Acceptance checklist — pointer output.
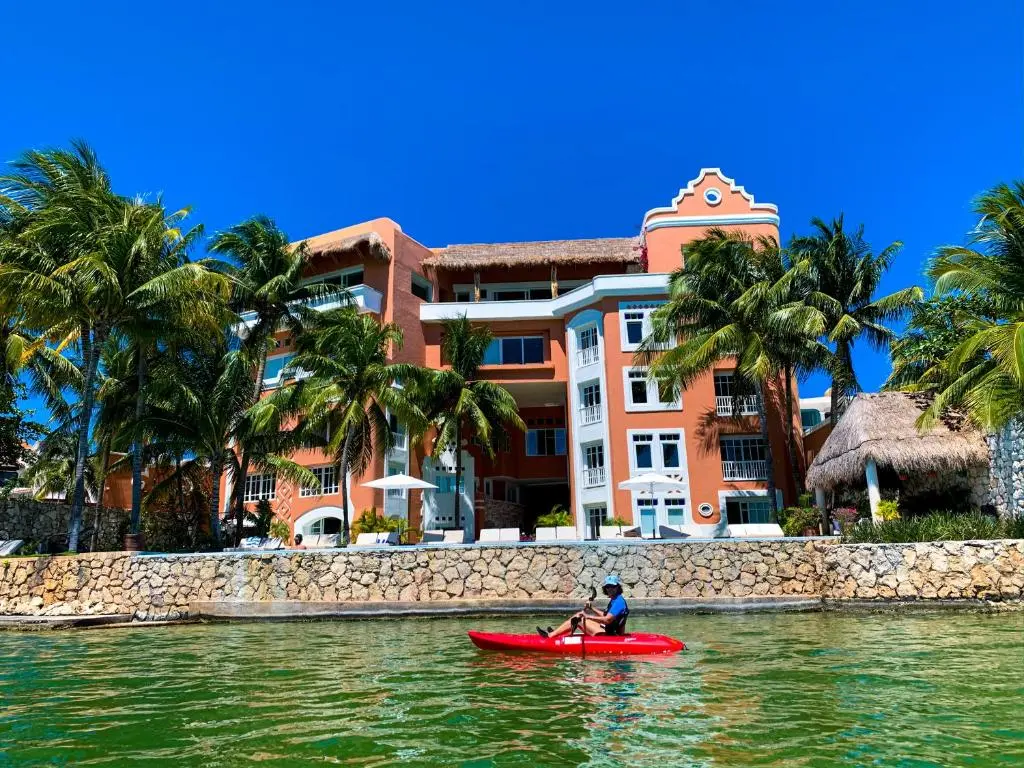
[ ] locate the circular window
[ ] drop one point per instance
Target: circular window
(713, 196)
(705, 510)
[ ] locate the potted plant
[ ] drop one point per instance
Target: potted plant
(800, 521)
(558, 515)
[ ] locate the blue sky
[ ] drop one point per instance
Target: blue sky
(492, 122)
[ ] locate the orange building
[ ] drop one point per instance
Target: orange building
(567, 317)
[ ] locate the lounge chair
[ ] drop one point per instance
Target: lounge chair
(566, 533)
(509, 534)
(546, 534)
(455, 537)
(755, 530)
(672, 532)
(10, 546)
(432, 537)
(321, 541)
(389, 538)
(489, 535)
(365, 540)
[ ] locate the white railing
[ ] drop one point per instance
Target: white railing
(590, 414)
(395, 493)
(747, 405)
(593, 477)
(744, 470)
(588, 356)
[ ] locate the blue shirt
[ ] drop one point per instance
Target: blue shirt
(617, 607)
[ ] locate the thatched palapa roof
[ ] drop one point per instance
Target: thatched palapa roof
(606, 250)
(367, 245)
(883, 427)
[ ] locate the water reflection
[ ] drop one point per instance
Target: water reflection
(779, 690)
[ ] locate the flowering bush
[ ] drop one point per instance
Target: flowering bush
(846, 515)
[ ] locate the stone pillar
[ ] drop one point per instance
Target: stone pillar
(874, 495)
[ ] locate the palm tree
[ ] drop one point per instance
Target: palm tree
(455, 399)
(345, 387)
(266, 273)
(984, 374)
(732, 301)
(844, 277)
(85, 258)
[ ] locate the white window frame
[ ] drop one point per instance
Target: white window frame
(590, 354)
(744, 439)
(653, 394)
(260, 486)
(629, 307)
(488, 488)
(511, 493)
(724, 403)
(314, 279)
(326, 489)
(488, 290)
(658, 438)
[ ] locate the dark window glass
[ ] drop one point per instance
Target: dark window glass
(643, 456)
(540, 293)
(511, 351)
(533, 350)
(634, 331)
(420, 290)
(352, 278)
(639, 390)
(670, 454)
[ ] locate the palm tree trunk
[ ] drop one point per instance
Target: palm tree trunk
(181, 487)
(99, 495)
(790, 441)
(845, 369)
(88, 403)
(458, 472)
(243, 471)
(346, 446)
(216, 470)
(136, 518)
(769, 463)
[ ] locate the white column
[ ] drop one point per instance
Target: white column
(874, 496)
(819, 497)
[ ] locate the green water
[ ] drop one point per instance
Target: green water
(754, 690)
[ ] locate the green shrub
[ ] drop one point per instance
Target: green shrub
(370, 522)
(279, 529)
(556, 517)
(888, 510)
(620, 522)
(794, 520)
(938, 526)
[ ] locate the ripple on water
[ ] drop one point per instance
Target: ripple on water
(766, 690)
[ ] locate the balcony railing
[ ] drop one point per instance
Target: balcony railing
(362, 297)
(593, 477)
(747, 405)
(590, 414)
(588, 356)
(744, 470)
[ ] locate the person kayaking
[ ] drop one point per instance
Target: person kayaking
(609, 622)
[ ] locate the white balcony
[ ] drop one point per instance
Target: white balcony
(362, 297)
(747, 405)
(593, 477)
(590, 414)
(744, 470)
(588, 356)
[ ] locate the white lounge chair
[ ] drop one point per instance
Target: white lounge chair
(489, 535)
(509, 534)
(321, 541)
(389, 538)
(755, 530)
(546, 534)
(566, 533)
(10, 546)
(454, 537)
(432, 537)
(365, 540)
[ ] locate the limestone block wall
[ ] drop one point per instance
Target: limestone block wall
(952, 570)
(44, 524)
(1007, 469)
(162, 586)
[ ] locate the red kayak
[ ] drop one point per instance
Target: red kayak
(634, 644)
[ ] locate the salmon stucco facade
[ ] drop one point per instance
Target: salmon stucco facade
(567, 317)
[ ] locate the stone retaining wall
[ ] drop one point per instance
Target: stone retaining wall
(952, 570)
(44, 524)
(163, 586)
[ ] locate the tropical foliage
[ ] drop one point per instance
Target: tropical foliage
(937, 526)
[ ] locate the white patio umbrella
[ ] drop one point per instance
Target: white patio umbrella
(400, 482)
(653, 483)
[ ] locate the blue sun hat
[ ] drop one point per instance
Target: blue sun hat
(611, 580)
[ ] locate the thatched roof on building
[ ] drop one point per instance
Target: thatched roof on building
(606, 250)
(883, 427)
(367, 245)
